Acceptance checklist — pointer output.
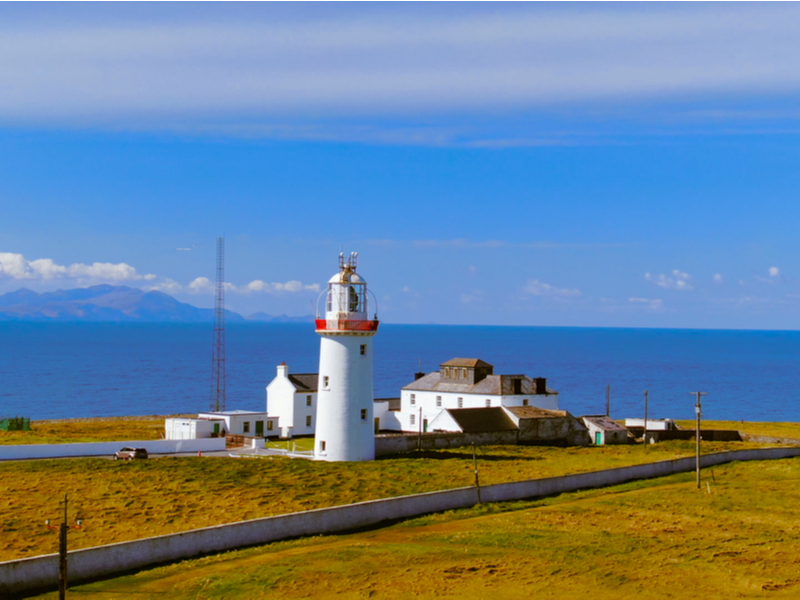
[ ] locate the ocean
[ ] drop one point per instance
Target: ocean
(64, 370)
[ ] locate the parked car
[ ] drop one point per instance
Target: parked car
(130, 453)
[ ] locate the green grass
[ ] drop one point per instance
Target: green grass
(658, 538)
(124, 501)
(298, 444)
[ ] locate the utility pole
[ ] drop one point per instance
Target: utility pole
(62, 549)
(419, 435)
(218, 351)
(644, 436)
(697, 433)
(608, 400)
(475, 466)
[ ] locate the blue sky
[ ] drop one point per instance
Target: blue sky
(579, 164)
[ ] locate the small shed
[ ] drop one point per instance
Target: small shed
(604, 430)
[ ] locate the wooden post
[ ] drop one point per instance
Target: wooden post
(62, 555)
(475, 466)
(608, 400)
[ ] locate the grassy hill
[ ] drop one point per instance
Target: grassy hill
(662, 538)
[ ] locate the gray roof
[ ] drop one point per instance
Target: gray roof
(475, 420)
(603, 422)
(492, 385)
(305, 382)
(465, 362)
(533, 412)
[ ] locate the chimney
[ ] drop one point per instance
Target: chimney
(541, 385)
(419, 375)
(283, 370)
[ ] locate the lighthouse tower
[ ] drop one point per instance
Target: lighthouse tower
(345, 429)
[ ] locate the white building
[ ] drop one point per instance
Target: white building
(292, 399)
(345, 427)
(468, 383)
(243, 422)
(604, 430)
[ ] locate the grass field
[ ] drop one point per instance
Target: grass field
(657, 538)
(109, 429)
(124, 501)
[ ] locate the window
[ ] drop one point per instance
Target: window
(363, 349)
(246, 427)
(447, 372)
(363, 414)
(270, 424)
(308, 421)
(517, 386)
(324, 381)
(524, 402)
(438, 400)
(308, 400)
(413, 419)
(460, 403)
(322, 446)
(488, 402)
(463, 373)
(413, 399)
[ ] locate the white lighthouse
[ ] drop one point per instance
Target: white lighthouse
(345, 429)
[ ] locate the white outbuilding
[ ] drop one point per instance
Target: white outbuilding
(292, 399)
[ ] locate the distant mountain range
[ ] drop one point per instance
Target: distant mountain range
(113, 303)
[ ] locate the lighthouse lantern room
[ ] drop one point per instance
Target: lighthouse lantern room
(345, 429)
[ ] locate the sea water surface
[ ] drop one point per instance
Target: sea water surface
(64, 370)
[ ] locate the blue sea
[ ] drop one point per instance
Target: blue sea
(63, 370)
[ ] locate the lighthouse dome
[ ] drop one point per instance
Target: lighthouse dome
(345, 277)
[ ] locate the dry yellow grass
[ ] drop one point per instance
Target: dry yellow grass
(651, 539)
(101, 429)
(124, 501)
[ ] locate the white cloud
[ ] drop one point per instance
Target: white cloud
(16, 266)
(203, 285)
(717, 278)
(535, 287)
(168, 286)
(774, 272)
(678, 281)
(651, 303)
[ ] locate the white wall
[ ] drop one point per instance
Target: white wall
(346, 435)
(109, 448)
(280, 399)
(388, 419)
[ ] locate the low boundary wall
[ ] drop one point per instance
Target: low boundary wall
(26, 451)
(41, 572)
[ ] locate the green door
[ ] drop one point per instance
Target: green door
(598, 438)
(216, 428)
(425, 425)
(259, 428)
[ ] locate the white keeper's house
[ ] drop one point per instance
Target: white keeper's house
(293, 398)
(468, 383)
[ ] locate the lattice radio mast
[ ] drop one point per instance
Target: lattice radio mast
(218, 353)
